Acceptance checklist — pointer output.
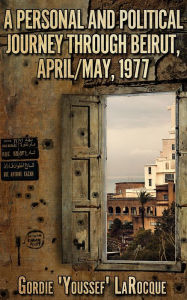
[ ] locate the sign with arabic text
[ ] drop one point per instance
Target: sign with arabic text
(19, 170)
(19, 148)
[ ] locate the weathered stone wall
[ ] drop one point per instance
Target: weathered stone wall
(32, 107)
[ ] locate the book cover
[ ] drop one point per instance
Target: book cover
(93, 112)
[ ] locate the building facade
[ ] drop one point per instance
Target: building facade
(163, 170)
(129, 209)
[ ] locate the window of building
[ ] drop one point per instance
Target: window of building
(126, 210)
(173, 155)
(149, 210)
(173, 146)
(165, 196)
(133, 211)
(140, 210)
(149, 170)
(150, 182)
(169, 177)
(167, 166)
(118, 210)
(110, 210)
(155, 211)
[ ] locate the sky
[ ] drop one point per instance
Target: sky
(136, 125)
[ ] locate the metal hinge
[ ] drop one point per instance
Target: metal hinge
(182, 95)
(88, 206)
(179, 153)
(183, 152)
(91, 102)
(181, 206)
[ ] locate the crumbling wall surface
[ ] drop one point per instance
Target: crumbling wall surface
(32, 107)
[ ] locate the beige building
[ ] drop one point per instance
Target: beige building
(163, 170)
(128, 209)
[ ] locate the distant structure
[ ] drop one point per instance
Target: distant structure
(163, 170)
(128, 209)
(159, 182)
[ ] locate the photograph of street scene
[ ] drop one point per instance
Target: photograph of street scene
(140, 177)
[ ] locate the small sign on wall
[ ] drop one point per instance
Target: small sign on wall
(19, 148)
(34, 239)
(19, 170)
